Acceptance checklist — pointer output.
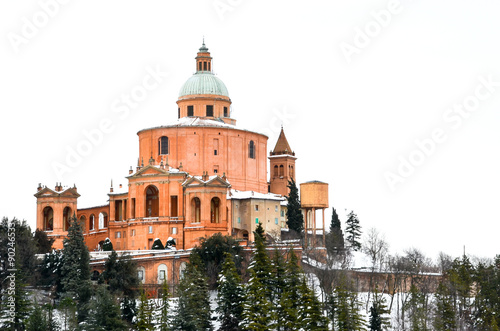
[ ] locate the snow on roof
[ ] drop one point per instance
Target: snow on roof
(235, 194)
(199, 122)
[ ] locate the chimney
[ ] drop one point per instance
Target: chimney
(39, 188)
(130, 171)
(111, 188)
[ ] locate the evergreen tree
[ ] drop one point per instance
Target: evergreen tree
(335, 237)
(416, 310)
(461, 280)
(487, 296)
(105, 312)
(120, 275)
(347, 316)
(212, 251)
(157, 244)
(278, 277)
(16, 236)
(42, 242)
(353, 230)
(310, 314)
(261, 265)
(37, 321)
(295, 219)
(379, 319)
(230, 296)
(193, 309)
(257, 310)
(68, 307)
(444, 314)
(16, 307)
(164, 318)
(290, 299)
(144, 313)
(259, 231)
(51, 270)
(75, 268)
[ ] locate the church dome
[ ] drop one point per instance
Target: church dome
(203, 82)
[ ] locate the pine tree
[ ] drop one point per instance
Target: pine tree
(212, 251)
(335, 237)
(278, 284)
(353, 230)
(15, 305)
(105, 312)
(193, 309)
(444, 314)
(230, 296)
(295, 219)
(487, 295)
(42, 242)
(261, 265)
(347, 316)
(310, 314)
(37, 321)
(144, 313)
(416, 310)
(461, 280)
(120, 275)
(290, 298)
(378, 313)
(257, 310)
(164, 319)
(75, 268)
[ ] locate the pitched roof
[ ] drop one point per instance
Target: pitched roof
(282, 146)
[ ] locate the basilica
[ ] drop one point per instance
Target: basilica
(198, 176)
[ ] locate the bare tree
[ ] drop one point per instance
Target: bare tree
(376, 247)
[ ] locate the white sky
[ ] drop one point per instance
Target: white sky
(349, 123)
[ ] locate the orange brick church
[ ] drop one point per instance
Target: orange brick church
(195, 177)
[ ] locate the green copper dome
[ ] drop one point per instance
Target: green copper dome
(203, 83)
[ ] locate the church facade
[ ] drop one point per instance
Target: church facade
(195, 177)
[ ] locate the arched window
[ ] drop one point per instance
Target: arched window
(282, 171)
(162, 273)
(141, 274)
(195, 210)
(48, 219)
(215, 210)
(275, 171)
(82, 223)
(291, 172)
(251, 149)
(152, 201)
(163, 146)
(66, 218)
(91, 222)
(103, 220)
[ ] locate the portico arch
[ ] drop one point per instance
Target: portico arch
(152, 201)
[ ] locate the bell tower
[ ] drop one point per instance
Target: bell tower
(282, 166)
